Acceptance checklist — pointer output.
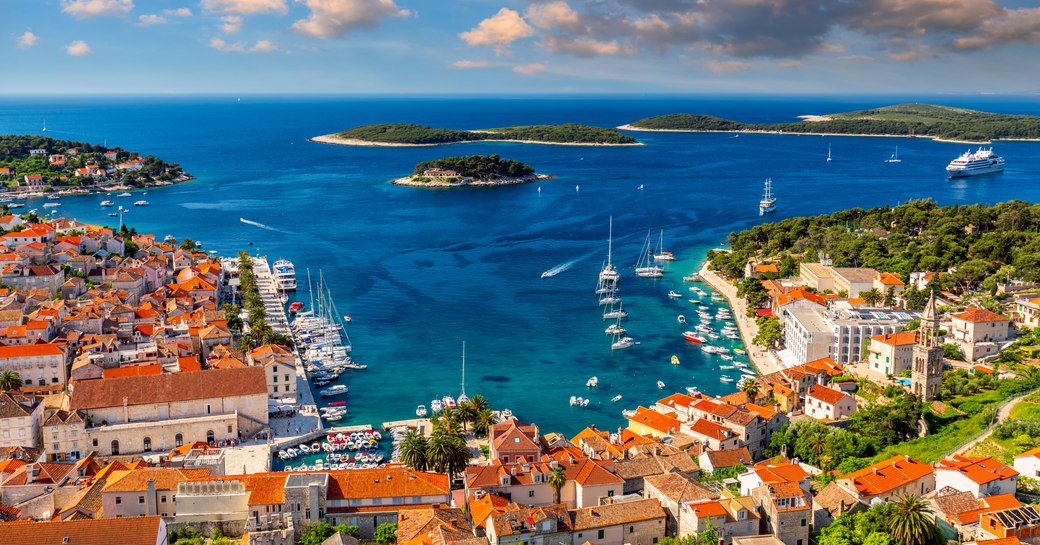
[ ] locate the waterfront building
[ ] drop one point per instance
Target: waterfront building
(158, 412)
(891, 354)
(648, 422)
(980, 476)
(21, 417)
(978, 332)
(837, 333)
(926, 373)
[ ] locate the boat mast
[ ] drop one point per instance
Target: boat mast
(310, 291)
(463, 395)
(610, 239)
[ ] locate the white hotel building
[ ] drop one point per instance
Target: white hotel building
(838, 332)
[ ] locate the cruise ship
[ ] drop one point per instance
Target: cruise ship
(983, 161)
(284, 275)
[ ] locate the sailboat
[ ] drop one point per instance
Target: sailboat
(609, 273)
(462, 396)
(660, 254)
(828, 153)
(621, 343)
(895, 157)
(768, 202)
(644, 267)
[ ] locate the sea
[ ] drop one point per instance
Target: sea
(420, 271)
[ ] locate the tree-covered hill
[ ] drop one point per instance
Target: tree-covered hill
(902, 119)
(402, 133)
(481, 167)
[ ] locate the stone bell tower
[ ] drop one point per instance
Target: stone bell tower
(927, 369)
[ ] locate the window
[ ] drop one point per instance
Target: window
(95, 441)
(178, 440)
(530, 493)
(54, 447)
(229, 428)
(631, 529)
(140, 499)
(803, 522)
(162, 499)
(610, 493)
(147, 444)
(307, 513)
(119, 500)
(209, 434)
(207, 408)
(276, 388)
(275, 380)
(600, 534)
(286, 378)
(115, 448)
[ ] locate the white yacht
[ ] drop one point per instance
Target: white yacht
(140, 203)
(123, 194)
(107, 203)
(284, 275)
(334, 390)
(420, 411)
(768, 202)
(622, 343)
(609, 273)
(592, 382)
(983, 161)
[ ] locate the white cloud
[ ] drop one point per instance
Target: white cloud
(552, 15)
(261, 46)
(500, 30)
(179, 12)
(231, 24)
(469, 65)
(96, 8)
(27, 40)
(245, 7)
(585, 47)
(148, 20)
(78, 48)
(725, 67)
(336, 18)
(529, 69)
(790, 64)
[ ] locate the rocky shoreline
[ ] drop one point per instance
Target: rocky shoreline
(934, 138)
(50, 190)
(338, 141)
(411, 181)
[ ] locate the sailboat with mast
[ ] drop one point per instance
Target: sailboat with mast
(660, 254)
(768, 202)
(828, 153)
(609, 273)
(645, 267)
(463, 398)
(895, 157)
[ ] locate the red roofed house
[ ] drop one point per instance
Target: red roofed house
(769, 472)
(715, 460)
(892, 353)
(978, 332)
(588, 483)
(1021, 522)
(1028, 463)
(886, 281)
(514, 441)
(650, 422)
(888, 479)
(38, 364)
(131, 531)
(823, 403)
(34, 180)
(730, 516)
(980, 476)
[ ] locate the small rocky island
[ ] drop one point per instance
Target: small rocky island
(470, 170)
(31, 165)
(403, 134)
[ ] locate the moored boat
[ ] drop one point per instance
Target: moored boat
(675, 359)
(334, 390)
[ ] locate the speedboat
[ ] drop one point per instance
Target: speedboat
(592, 382)
(693, 337)
(140, 203)
(420, 411)
(449, 402)
(675, 359)
(615, 399)
(436, 406)
(725, 378)
(739, 351)
(334, 390)
(674, 295)
(691, 278)
(660, 385)
(107, 203)
(123, 194)
(51, 204)
(295, 307)
(681, 319)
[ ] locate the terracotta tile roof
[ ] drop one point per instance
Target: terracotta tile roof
(419, 523)
(766, 413)
(827, 395)
(963, 508)
(890, 279)
(166, 478)
(798, 294)
(1000, 541)
(728, 458)
(711, 508)
(30, 350)
(766, 269)
(677, 400)
(979, 315)
(374, 483)
(887, 475)
(664, 423)
(1034, 453)
(482, 508)
(835, 499)
(979, 470)
(10, 465)
(896, 339)
(513, 435)
(618, 513)
(680, 488)
(147, 389)
(518, 520)
(264, 488)
(131, 531)
(782, 473)
(710, 429)
(133, 371)
(654, 464)
(14, 404)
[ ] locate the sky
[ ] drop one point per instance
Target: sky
(434, 47)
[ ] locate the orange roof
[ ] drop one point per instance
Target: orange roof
(166, 478)
(664, 423)
(766, 269)
(825, 394)
(888, 475)
(896, 339)
(189, 363)
(673, 400)
(979, 315)
(783, 473)
(133, 371)
(979, 470)
(29, 350)
(11, 464)
(487, 505)
(708, 509)
(264, 488)
(800, 293)
(1035, 453)
(131, 531)
(710, 429)
(890, 279)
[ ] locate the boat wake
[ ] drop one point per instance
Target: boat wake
(559, 269)
(260, 225)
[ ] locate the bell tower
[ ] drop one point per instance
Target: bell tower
(927, 369)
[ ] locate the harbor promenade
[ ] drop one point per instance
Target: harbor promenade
(760, 357)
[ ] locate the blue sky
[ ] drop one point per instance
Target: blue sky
(505, 46)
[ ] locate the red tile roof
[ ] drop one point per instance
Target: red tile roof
(888, 475)
(979, 315)
(826, 395)
(133, 371)
(130, 531)
(664, 423)
(147, 389)
(979, 470)
(896, 339)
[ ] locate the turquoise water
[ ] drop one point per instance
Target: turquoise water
(421, 271)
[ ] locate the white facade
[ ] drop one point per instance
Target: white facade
(960, 481)
(37, 365)
(1028, 463)
(21, 429)
(838, 333)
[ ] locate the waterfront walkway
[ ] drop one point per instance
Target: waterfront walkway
(760, 357)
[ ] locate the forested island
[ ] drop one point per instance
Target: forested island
(925, 120)
(981, 244)
(402, 134)
(34, 164)
(478, 170)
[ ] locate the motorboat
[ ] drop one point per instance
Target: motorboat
(615, 399)
(123, 194)
(674, 295)
(436, 406)
(681, 319)
(141, 203)
(51, 204)
(592, 382)
(449, 402)
(693, 337)
(295, 307)
(284, 275)
(107, 203)
(660, 385)
(675, 359)
(691, 278)
(335, 390)
(420, 411)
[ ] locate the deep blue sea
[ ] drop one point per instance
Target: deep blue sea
(422, 270)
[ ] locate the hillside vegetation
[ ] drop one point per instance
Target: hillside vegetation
(402, 133)
(482, 167)
(14, 154)
(902, 119)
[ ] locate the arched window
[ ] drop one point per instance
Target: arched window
(115, 447)
(209, 436)
(147, 444)
(178, 440)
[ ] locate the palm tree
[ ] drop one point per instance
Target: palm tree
(750, 387)
(447, 423)
(556, 480)
(448, 453)
(466, 413)
(910, 523)
(10, 380)
(414, 451)
(872, 297)
(482, 424)
(480, 403)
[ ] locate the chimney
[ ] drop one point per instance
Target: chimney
(149, 498)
